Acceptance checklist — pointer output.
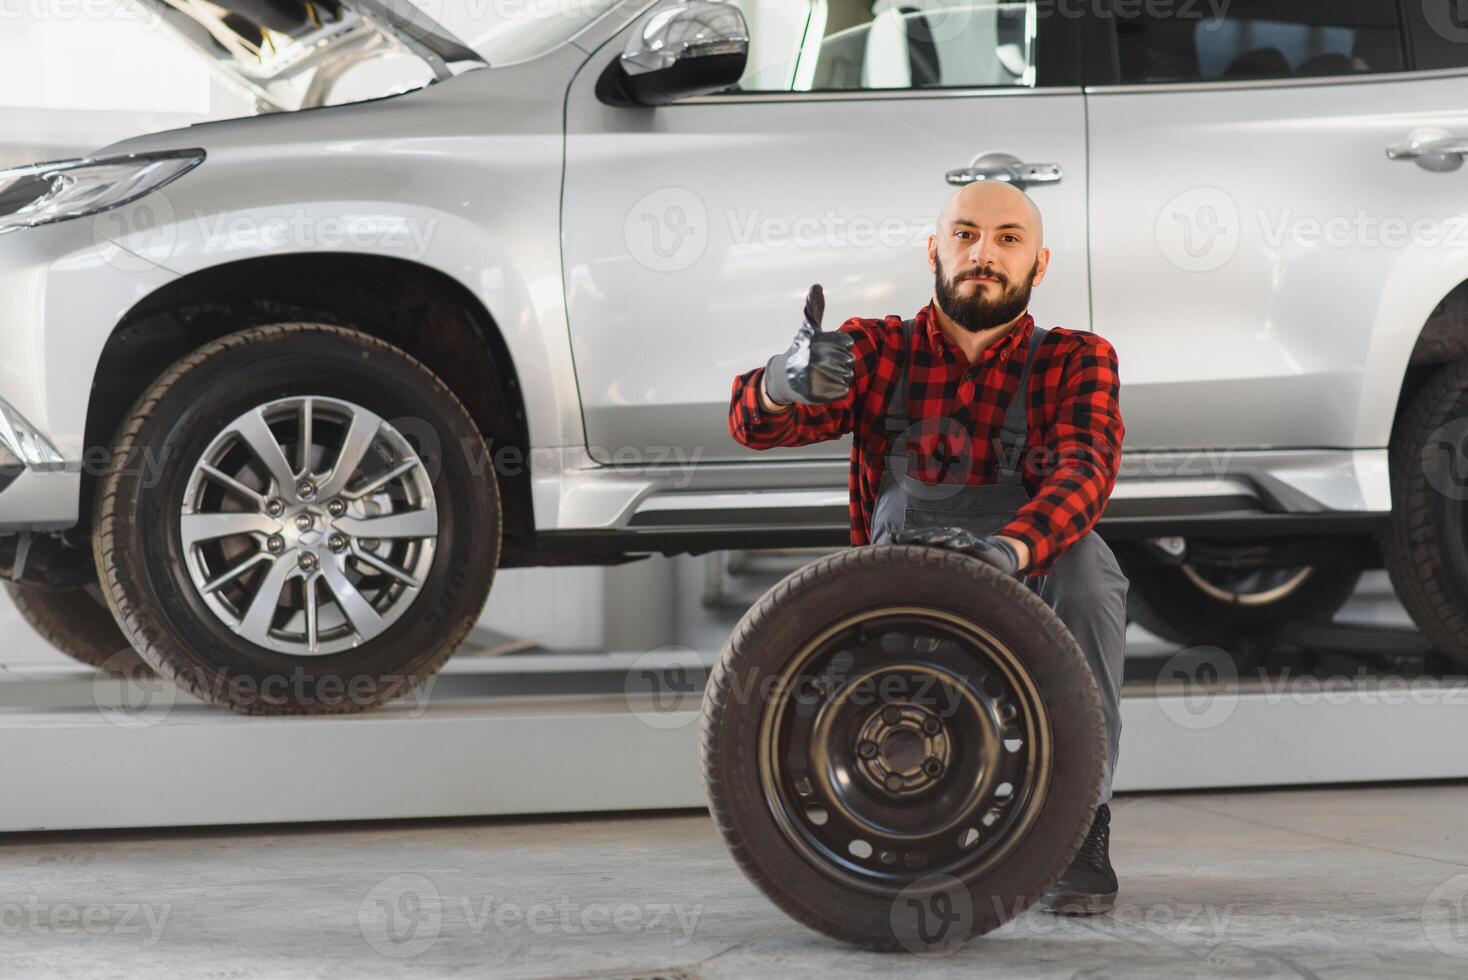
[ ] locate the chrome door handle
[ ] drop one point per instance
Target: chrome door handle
(1008, 169)
(1431, 149)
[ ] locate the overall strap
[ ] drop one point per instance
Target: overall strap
(1015, 431)
(895, 420)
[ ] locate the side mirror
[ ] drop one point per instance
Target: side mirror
(687, 49)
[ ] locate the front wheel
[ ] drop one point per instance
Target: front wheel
(293, 523)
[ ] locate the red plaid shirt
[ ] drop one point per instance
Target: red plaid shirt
(1075, 427)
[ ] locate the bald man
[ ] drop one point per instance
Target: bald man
(944, 453)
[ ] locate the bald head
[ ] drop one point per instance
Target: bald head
(993, 204)
(987, 255)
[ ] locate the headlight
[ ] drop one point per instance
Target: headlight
(41, 193)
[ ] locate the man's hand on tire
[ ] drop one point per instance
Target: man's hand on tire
(993, 550)
(818, 367)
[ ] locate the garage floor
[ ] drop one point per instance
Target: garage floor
(1301, 883)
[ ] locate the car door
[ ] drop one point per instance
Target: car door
(1253, 249)
(691, 232)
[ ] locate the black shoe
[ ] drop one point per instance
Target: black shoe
(1088, 886)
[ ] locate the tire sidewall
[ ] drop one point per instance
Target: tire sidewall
(152, 473)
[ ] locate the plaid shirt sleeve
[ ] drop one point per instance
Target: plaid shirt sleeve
(1076, 473)
(800, 424)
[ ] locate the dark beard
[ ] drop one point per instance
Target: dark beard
(977, 313)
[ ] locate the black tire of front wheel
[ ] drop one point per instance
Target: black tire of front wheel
(859, 579)
(138, 552)
(1425, 548)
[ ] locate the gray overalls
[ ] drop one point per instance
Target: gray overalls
(1085, 586)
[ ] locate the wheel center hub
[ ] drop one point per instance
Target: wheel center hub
(903, 749)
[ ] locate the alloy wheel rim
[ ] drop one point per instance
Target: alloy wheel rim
(1252, 587)
(904, 742)
(308, 526)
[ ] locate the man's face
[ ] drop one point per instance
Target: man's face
(986, 257)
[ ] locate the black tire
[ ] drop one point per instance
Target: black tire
(78, 623)
(1169, 602)
(1425, 548)
(141, 557)
(942, 584)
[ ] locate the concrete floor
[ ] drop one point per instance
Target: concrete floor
(1360, 882)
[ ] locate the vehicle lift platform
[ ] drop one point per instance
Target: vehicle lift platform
(535, 732)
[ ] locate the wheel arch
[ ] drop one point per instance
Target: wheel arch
(1442, 339)
(420, 309)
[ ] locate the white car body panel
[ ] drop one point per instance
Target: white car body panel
(1289, 403)
(1303, 345)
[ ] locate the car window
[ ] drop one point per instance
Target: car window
(1253, 39)
(845, 45)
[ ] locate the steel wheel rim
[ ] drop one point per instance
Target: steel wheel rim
(1289, 582)
(308, 526)
(994, 745)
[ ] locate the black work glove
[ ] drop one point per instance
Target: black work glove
(1000, 554)
(818, 367)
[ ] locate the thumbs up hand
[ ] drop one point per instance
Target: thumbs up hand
(818, 367)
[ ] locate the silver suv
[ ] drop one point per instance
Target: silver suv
(279, 394)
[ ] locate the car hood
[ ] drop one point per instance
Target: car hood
(288, 54)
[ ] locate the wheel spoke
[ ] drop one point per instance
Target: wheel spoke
(255, 625)
(233, 485)
(359, 438)
(262, 442)
(305, 438)
(404, 524)
(377, 482)
(239, 569)
(359, 612)
(386, 567)
(195, 528)
(311, 630)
